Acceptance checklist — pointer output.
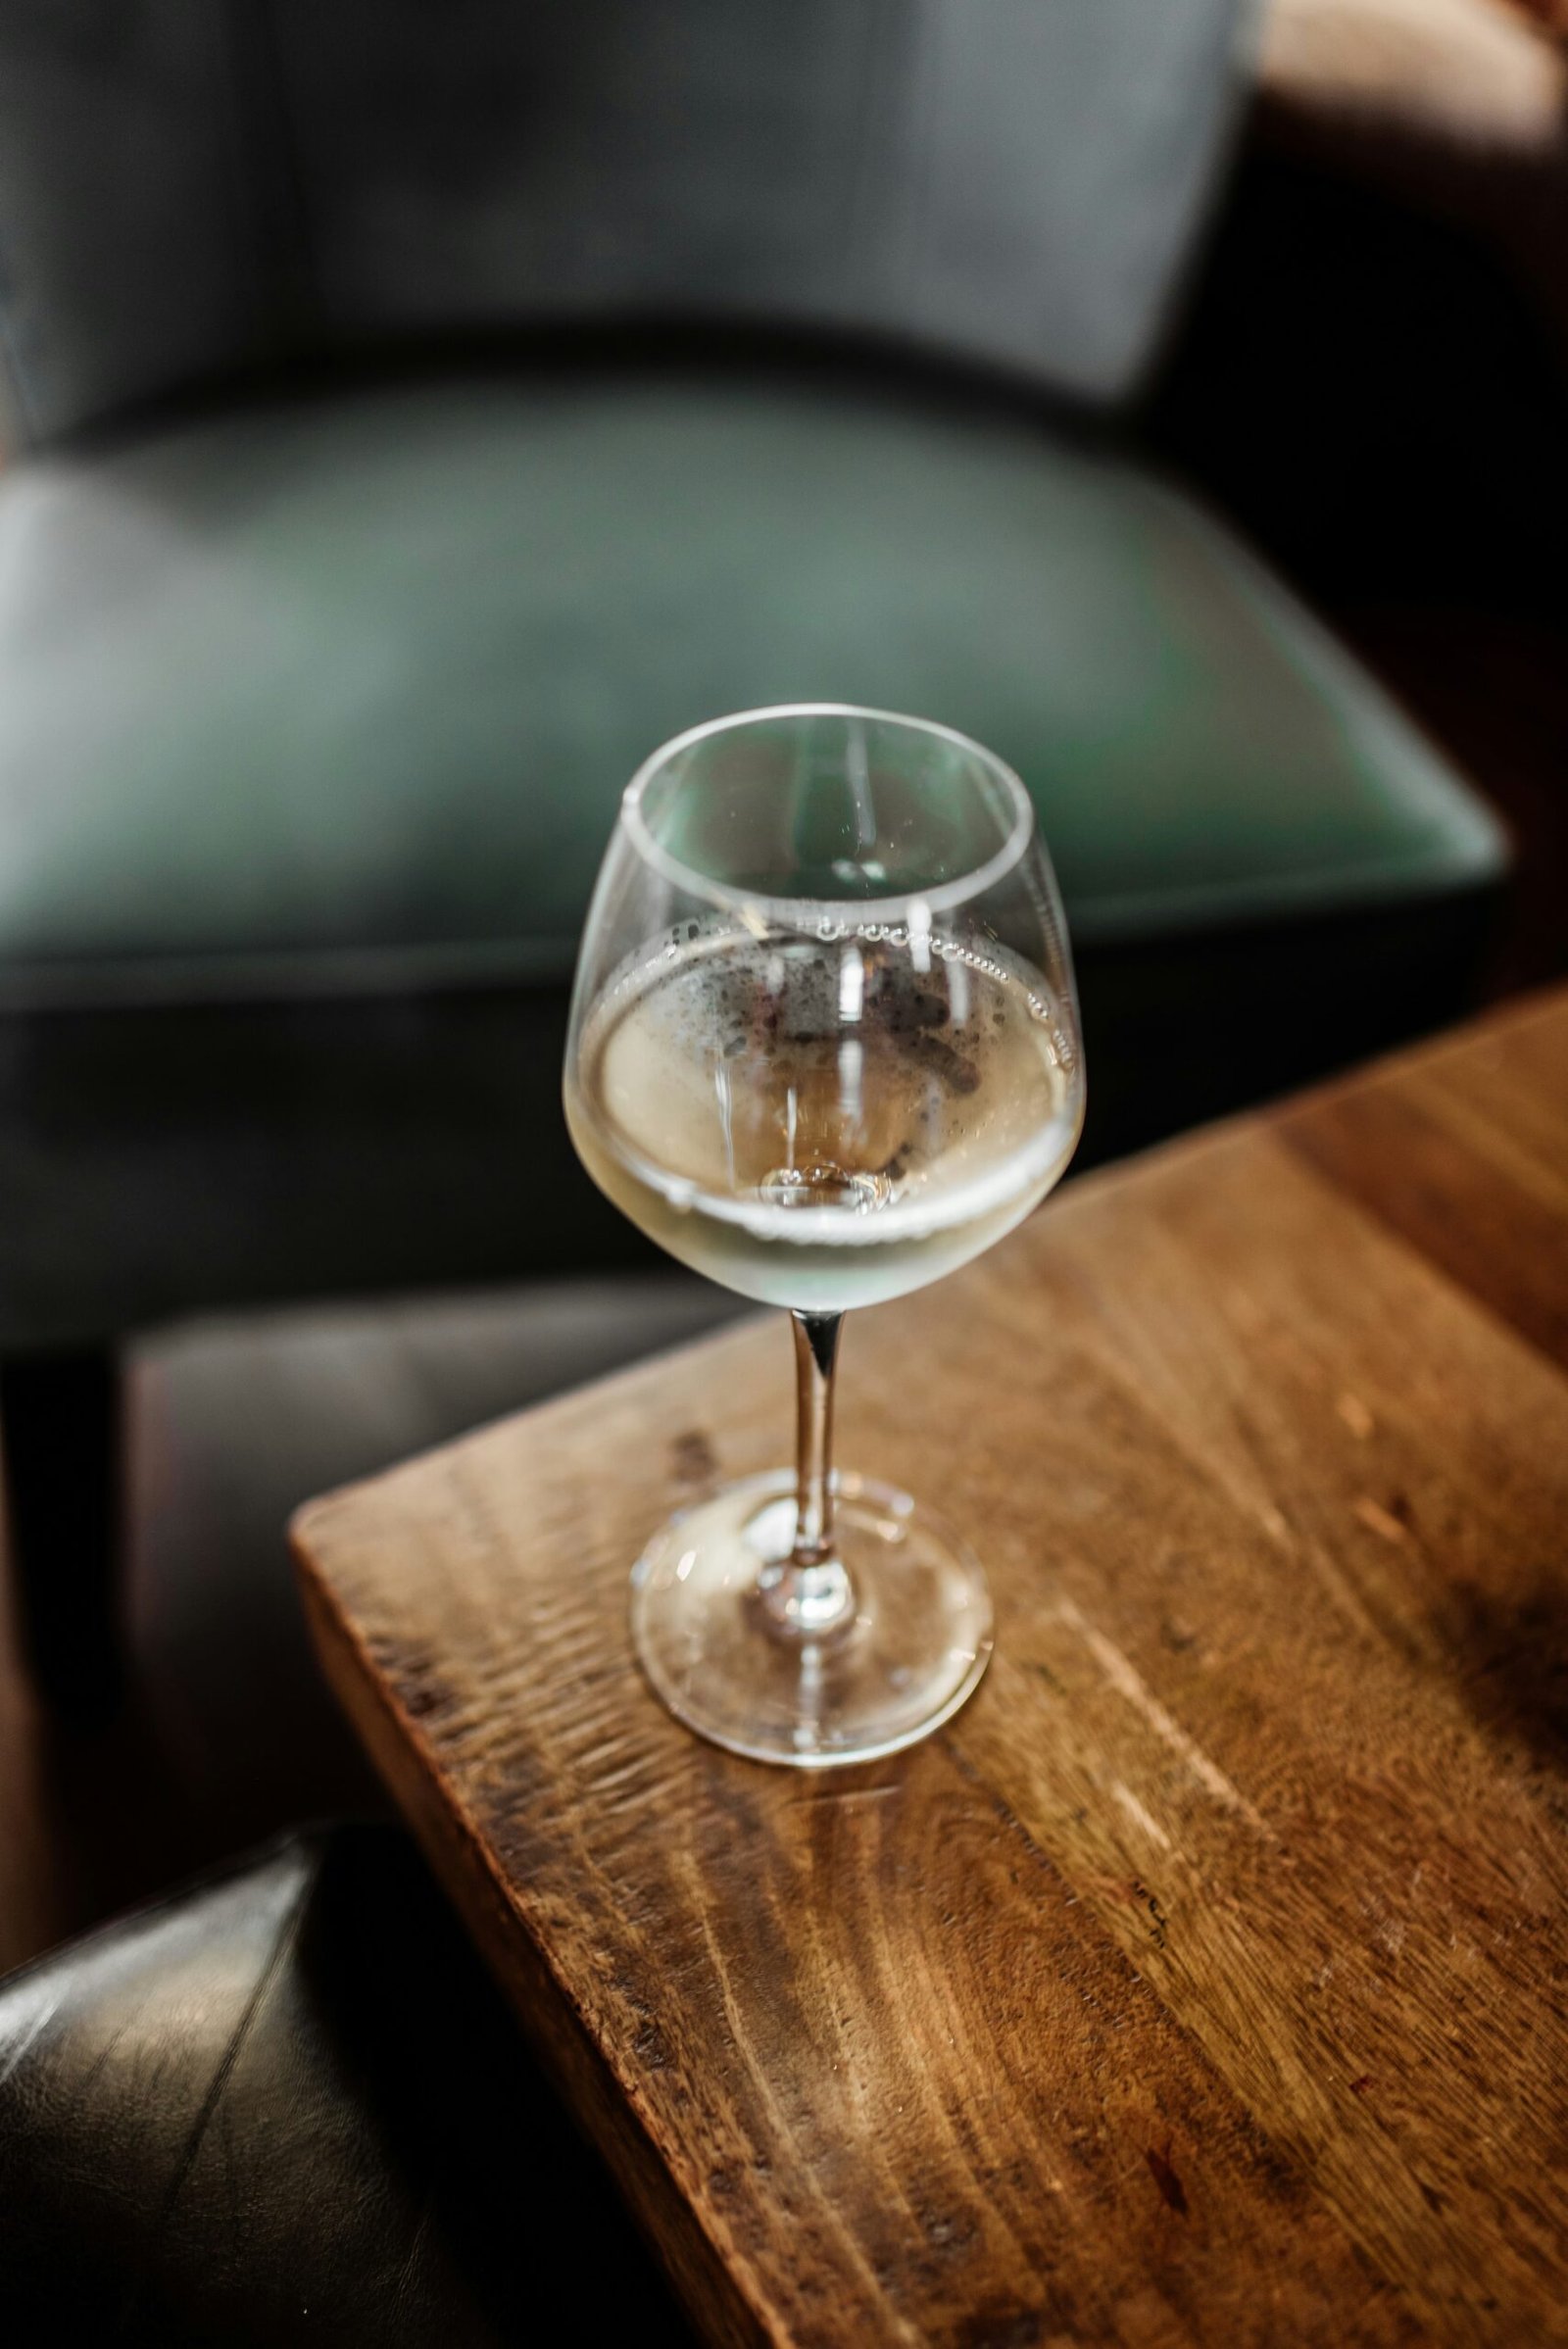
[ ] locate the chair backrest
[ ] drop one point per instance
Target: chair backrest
(190, 185)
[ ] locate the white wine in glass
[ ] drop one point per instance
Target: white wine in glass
(824, 1048)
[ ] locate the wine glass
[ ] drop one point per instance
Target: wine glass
(824, 1048)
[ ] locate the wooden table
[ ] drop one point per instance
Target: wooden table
(1203, 1980)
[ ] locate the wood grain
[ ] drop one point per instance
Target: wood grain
(1203, 1981)
(1467, 1157)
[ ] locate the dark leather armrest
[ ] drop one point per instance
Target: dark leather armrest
(289, 2105)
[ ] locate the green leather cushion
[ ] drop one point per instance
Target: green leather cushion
(369, 672)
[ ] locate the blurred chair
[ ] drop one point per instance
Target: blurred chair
(427, 412)
(1456, 109)
(287, 2104)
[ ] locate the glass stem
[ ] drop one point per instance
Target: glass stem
(808, 1592)
(817, 1357)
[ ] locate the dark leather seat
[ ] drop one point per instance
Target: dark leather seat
(289, 2105)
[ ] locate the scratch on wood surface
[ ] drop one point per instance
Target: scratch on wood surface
(842, 1799)
(1171, 2190)
(693, 1458)
(1380, 1520)
(1128, 1682)
(1356, 1415)
(1144, 1817)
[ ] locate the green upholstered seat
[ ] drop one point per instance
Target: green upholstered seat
(367, 673)
(313, 718)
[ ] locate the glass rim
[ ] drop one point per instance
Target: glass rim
(940, 898)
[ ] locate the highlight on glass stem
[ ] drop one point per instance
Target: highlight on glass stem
(824, 1048)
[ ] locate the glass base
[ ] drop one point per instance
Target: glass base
(840, 1672)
